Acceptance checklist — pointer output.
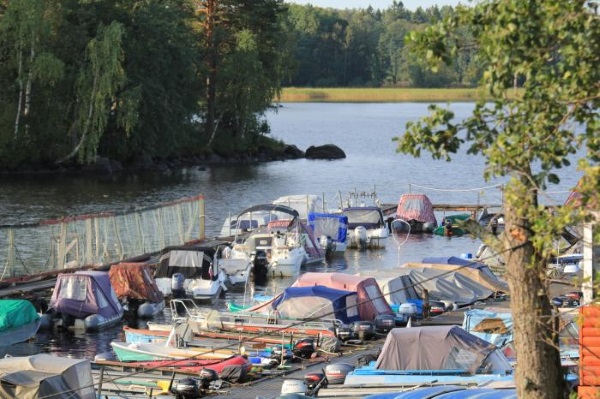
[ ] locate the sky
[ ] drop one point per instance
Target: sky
(378, 4)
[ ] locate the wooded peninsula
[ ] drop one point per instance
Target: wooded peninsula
(137, 82)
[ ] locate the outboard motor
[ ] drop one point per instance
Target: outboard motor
(67, 321)
(260, 267)
(314, 382)
(344, 333)
(326, 244)
(364, 330)
(360, 237)
(207, 376)
(187, 388)
(294, 386)
(304, 348)
(336, 372)
(177, 285)
(384, 323)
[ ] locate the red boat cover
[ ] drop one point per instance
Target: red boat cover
(371, 302)
(415, 207)
(134, 281)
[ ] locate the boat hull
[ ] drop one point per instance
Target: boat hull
(129, 352)
(19, 334)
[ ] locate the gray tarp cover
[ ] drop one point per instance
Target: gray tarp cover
(433, 348)
(441, 287)
(46, 376)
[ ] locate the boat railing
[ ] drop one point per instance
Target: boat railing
(184, 309)
(241, 318)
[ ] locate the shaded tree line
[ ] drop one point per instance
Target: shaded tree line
(139, 81)
(367, 48)
(135, 81)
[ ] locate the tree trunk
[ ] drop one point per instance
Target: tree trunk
(538, 370)
(211, 80)
(20, 80)
(86, 128)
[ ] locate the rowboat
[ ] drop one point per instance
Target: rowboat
(188, 366)
(135, 352)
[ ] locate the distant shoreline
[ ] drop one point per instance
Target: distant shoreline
(376, 95)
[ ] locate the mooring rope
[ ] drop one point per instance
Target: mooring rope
(454, 189)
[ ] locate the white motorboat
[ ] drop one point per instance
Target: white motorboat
(238, 270)
(191, 271)
(240, 224)
(331, 230)
(281, 247)
(366, 227)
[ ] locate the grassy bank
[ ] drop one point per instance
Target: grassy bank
(375, 95)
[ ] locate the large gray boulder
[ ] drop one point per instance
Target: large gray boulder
(327, 151)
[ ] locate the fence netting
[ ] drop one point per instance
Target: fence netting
(99, 239)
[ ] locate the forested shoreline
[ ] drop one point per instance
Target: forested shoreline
(136, 83)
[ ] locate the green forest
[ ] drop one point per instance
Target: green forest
(139, 81)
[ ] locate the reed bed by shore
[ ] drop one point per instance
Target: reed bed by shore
(298, 94)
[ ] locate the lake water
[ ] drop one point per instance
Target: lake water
(363, 131)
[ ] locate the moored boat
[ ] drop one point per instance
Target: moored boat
(128, 352)
(367, 228)
(190, 271)
(441, 354)
(85, 299)
(192, 366)
(19, 321)
(46, 376)
(134, 285)
(285, 243)
(414, 215)
(331, 229)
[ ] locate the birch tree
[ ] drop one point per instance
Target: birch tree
(97, 85)
(24, 24)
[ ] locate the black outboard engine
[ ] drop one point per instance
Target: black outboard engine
(304, 348)
(67, 321)
(344, 333)
(336, 372)
(260, 267)
(187, 388)
(364, 330)
(384, 323)
(207, 376)
(177, 289)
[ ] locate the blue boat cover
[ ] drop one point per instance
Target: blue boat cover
(317, 302)
(337, 228)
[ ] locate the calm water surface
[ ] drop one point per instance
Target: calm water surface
(363, 131)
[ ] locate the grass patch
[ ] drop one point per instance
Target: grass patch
(378, 95)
